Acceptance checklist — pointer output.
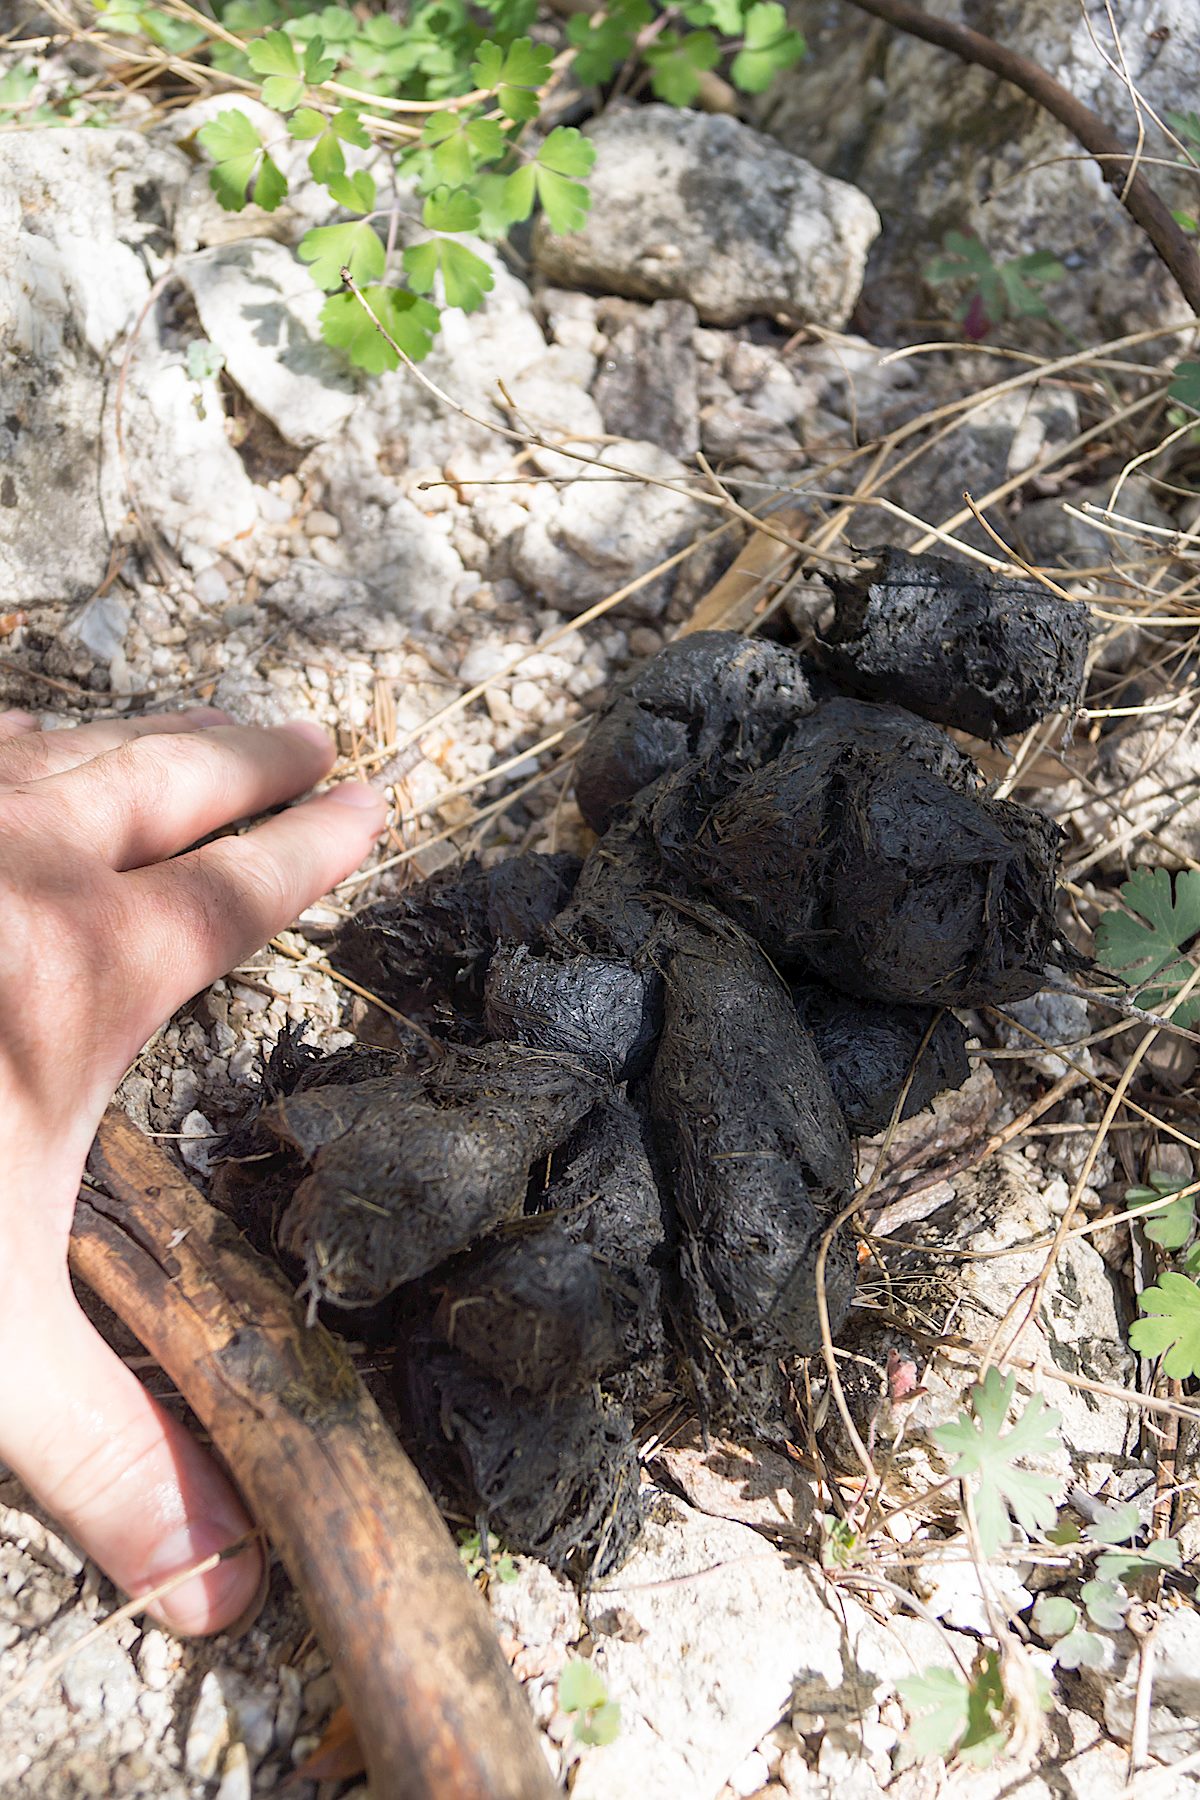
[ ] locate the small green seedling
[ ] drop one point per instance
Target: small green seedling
(581, 1692)
(494, 1562)
(994, 291)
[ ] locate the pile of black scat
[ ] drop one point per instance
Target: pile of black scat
(600, 1182)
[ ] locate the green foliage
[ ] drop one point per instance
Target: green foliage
(347, 326)
(676, 61)
(203, 360)
(1171, 1328)
(479, 1559)
(1171, 1226)
(328, 249)
(994, 291)
(513, 75)
(1056, 1617)
(841, 1544)
(1143, 944)
(482, 161)
(986, 1452)
(770, 47)
(1185, 388)
(957, 1718)
(581, 1691)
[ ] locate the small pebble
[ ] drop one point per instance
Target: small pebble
(322, 525)
(750, 1775)
(211, 587)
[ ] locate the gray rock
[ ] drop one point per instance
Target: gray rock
(938, 145)
(696, 206)
(597, 534)
(1145, 782)
(75, 207)
(646, 387)
(416, 586)
(102, 625)
(209, 1730)
(261, 307)
(1049, 534)
(705, 1638)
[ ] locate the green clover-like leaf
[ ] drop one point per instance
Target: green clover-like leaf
(240, 163)
(1105, 1604)
(770, 47)
(355, 192)
(602, 44)
(1054, 1615)
(1171, 1328)
(331, 248)
(1169, 1225)
(450, 209)
(987, 1453)
(412, 322)
(1115, 1525)
(1079, 1650)
(1127, 1566)
(461, 143)
(466, 278)
(515, 75)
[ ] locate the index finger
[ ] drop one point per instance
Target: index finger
(207, 910)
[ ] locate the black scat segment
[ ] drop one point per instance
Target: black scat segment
(403, 1173)
(553, 1479)
(426, 952)
(600, 1009)
(868, 1048)
(934, 896)
(983, 652)
(531, 1311)
(757, 1149)
(714, 692)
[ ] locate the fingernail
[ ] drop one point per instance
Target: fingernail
(310, 731)
(357, 794)
(203, 1602)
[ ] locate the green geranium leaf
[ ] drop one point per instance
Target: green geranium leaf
(726, 15)
(307, 122)
(460, 143)
(204, 361)
(1171, 1328)
(771, 46)
(330, 248)
(581, 1686)
(465, 276)
(411, 321)
(987, 1454)
(1130, 1565)
(1171, 1226)
(1116, 1525)
(495, 210)
(1143, 949)
(270, 185)
(938, 1702)
(677, 62)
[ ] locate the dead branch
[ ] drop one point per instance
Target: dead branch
(1115, 162)
(435, 1708)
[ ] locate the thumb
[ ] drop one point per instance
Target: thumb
(129, 1483)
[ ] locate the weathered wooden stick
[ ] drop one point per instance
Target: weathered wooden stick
(437, 1713)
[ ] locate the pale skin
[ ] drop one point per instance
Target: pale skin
(111, 921)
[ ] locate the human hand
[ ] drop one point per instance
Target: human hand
(107, 930)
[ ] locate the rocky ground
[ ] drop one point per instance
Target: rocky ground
(282, 539)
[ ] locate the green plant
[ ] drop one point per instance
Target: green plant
(968, 1720)
(478, 165)
(491, 1560)
(1003, 1493)
(1171, 1327)
(1144, 943)
(581, 1692)
(993, 292)
(1186, 126)
(1172, 1225)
